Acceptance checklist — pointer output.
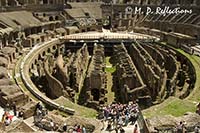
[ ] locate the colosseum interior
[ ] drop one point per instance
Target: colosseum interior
(72, 58)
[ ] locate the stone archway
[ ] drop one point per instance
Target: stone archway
(10, 37)
(45, 1)
(5, 40)
(51, 18)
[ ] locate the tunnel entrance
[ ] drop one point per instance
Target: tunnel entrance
(95, 93)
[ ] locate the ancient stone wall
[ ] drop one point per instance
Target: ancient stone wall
(55, 86)
(10, 93)
(32, 58)
(156, 55)
(14, 3)
(79, 67)
(95, 82)
(186, 75)
(172, 69)
(62, 70)
(185, 24)
(149, 70)
(128, 83)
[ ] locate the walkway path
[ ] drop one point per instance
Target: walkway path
(110, 95)
(128, 129)
(30, 122)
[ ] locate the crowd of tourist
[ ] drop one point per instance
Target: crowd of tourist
(113, 117)
(118, 116)
(7, 117)
(48, 124)
(39, 118)
(77, 129)
(181, 127)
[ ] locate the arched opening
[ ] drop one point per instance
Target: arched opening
(87, 14)
(56, 18)
(95, 93)
(148, 2)
(10, 37)
(43, 53)
(49, 50)
(88, 29)
(54, 47)
(169, 30)
(5, 40)
(39, 57)
(27, 32)
(196, 36)
(51, 2)
(2, 25)
(51, 26)
(50, 18)
(15, 35)
(178, 2)
(13, 55)
(141, 2)
(57, 25)
(45, 1)
(38, 40)
(62, 50)
(32, 66)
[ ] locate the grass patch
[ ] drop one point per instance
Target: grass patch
(79, 110)
(109, 70)
(172, 106)
(108, 61)
(109, 67)
(57, 112)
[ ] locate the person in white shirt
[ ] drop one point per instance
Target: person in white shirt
(52, 125)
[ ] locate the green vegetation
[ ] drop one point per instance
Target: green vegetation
(109, 67)
(177, 107)
(79, 110)
(194, 96)
(109, 70)
(172, 106)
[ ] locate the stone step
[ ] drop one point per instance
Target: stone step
(30, 122)
(28, 109)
